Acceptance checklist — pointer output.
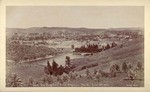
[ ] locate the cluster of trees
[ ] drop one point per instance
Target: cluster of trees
(126, 67)
(89, 48)
(56, 69)
(92, 48)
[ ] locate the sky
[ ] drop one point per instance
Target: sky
(74, 16)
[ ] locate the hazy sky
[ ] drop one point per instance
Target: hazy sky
(75, 16)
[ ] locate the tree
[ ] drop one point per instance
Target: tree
(124, 67)
(113, 70)
(117, 67)
(48, 65)
(50, 70)
(68, 61)
(54, 67)
(107, 46)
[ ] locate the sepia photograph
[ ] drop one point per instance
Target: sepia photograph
(75, 46)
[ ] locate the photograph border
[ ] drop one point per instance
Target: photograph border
(145, 3)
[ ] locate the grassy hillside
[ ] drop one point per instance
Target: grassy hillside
(19, 52)
(131, 53)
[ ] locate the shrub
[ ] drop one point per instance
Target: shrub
(30, 81)
(13, 81)
(124, 67)
(139, 65)
(115, 68)
(47, 79)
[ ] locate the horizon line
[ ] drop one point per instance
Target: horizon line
(73, 27)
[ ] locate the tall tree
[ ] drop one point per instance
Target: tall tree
(68, 61)
(50, 70)
(54, 65)
(48, 65)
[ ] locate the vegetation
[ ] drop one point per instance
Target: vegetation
(19, 52)
(95, 78)
(56, 69)
(30, 82)
(90, 48)
(68, 64)
(124, 67)
(139, 65)
(93, 48)
(13, 81)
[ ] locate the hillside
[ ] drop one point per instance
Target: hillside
(131, 53)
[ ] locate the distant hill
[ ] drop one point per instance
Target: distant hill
(66, 29)
(56, 30)
(53, 29)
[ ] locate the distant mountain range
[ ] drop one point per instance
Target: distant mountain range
(67, 29)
